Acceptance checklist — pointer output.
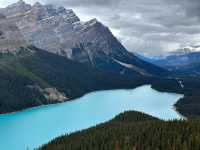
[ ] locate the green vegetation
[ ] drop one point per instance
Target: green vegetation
(24, 74)
(190, 104)
(133, 131)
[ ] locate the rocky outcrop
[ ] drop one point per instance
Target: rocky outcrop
(45, 26)
(51, 94)
(11, 40)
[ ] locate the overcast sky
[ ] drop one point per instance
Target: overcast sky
(149, 26)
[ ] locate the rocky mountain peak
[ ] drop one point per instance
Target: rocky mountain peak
(37, 4)
(92, 21)
(19, 3)
(59, 30)
(47, 12)
(61, 10)
(16, 8)
(186, 50)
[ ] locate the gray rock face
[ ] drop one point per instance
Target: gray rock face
(16, 8)
(44, 26)
(11, 40)
(59, 30)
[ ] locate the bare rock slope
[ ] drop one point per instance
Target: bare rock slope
(60, 31)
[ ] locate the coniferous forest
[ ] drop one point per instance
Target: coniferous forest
(133, 131)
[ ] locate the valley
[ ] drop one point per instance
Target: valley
(33, 73)
(63, 80)
(93, 58)
(39, 125)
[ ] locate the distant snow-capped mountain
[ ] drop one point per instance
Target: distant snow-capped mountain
(186, 50)
(184, 61)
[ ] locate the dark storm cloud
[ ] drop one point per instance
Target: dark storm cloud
(150, 26)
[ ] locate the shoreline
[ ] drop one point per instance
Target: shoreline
(45, 108)
(175, 109)
(74, 99)
(68, 100)
(34, 107)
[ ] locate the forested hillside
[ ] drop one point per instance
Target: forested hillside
(34, 77)
(133, 131)
(189, 86)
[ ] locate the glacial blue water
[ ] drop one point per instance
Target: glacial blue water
(31, 128)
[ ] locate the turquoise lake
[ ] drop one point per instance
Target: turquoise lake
(31, 128)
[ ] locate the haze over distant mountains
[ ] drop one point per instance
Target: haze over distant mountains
(185, 61)
(186, 50)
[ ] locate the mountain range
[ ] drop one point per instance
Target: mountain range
(60, 31)
(47, 55)
(57, 57)
(186, 50)
(184, 61)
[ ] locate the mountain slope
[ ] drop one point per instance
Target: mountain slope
(192, 69)
(78, 57)
(187, 64)
(33, 77)
(8, 34)
(59, 30)
(132, 131)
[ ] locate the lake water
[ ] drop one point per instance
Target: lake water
(31, 128)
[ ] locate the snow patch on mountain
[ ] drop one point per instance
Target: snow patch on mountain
(124, 64)
(186, 50)
(131, 66)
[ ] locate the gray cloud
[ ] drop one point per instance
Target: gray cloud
(152, 27)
